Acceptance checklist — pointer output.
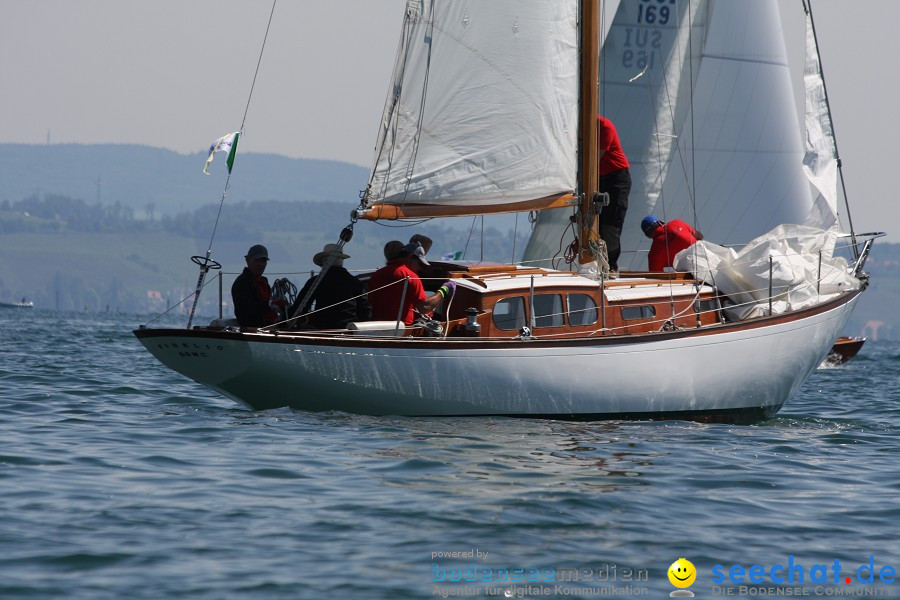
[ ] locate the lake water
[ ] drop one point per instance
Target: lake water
(120, 479)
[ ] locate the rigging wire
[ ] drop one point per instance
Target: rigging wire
(659, 158)
(807, 7)
(571, 251)
(468, 239)
(658, 135)
(243, 121)
(393, 124)
(206, 263)
(401, 223)
(515, 234)
(482, 238)
(693, 148)
(419, 123)
(392, 121)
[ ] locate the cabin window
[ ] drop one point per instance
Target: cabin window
(633, 313)
(548, 310)
(509, 314)
(708, 306)
(582, 309)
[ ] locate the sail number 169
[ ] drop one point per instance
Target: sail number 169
(654, 12)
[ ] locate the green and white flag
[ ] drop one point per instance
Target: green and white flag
(226, 143)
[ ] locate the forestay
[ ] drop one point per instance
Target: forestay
(482, 111)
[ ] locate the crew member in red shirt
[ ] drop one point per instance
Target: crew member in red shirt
(668, 240)
(387, 301)
(615, 180)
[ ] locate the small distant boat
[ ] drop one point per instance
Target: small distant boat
(23, 304)
(844, 349)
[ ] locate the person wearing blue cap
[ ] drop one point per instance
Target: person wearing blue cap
(668, 240)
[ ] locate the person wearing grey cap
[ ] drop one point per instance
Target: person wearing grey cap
(392, 249)
(250, 292)
(388, 295)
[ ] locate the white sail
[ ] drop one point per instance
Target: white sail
(724, 152)
(820, 162)
(483, 106)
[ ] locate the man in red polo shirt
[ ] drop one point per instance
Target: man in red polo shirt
(668, 240)
(615, 180)
(386, 288)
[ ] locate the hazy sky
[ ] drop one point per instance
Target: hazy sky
(177, 73)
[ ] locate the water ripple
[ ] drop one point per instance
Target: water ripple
(120, 479)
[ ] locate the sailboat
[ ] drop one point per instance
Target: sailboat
(24, 303)
(843, 350)
(492, 108)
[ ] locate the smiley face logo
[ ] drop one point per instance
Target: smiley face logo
(682, 573)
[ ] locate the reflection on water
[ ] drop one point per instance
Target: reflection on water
(440, 454)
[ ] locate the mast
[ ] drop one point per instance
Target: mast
(589, 179)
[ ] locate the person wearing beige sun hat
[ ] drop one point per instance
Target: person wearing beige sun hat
(339, 297)
(329, 250)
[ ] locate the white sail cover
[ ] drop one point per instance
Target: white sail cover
(483, 106)
(795, 261)
(710, 127)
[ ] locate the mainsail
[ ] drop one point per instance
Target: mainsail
(703, 103)
(482, 113)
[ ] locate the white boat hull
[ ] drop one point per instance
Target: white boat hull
(678, 374)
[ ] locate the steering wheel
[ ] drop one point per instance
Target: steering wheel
(205, 262)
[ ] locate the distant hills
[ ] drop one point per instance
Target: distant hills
(163, 182)
(85, 227)
(112, 227)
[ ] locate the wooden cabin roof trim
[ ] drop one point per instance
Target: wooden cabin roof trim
(647, 292)
(522, 283)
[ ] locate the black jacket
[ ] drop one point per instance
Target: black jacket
(336, 287)
(249, 307)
